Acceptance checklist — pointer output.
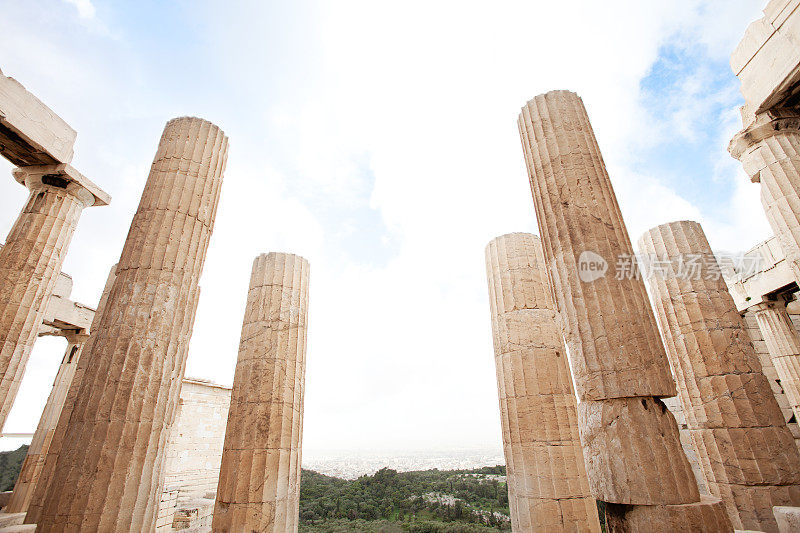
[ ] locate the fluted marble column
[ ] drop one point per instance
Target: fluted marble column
(112, 450)
(31, 470)
(746, 451)
(769, 150)
(547, 483)
(259, 480)
(31, 260)
(37, 451)
(783, 344)
(631, 443)
(49, 454)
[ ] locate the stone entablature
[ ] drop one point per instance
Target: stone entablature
(30, 132)
(774, 275)
(768, 56)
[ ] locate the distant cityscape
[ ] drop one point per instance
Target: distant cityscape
(352, 464)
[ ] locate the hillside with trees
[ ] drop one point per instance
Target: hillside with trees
(430, 501)
(10, 465)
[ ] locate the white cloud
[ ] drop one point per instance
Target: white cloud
(85, 8)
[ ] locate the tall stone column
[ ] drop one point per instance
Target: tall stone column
(31, 260)
(547, 483)
(746, 451)
(31, 470)
(34, 459)
(259, 480)
(769, 150)
(630, 439)
(50, 453)
(112, 449)
(783, 344)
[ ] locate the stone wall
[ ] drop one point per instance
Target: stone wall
(194, 454)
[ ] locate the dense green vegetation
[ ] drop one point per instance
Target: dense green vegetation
(430, 501)
(10, 464)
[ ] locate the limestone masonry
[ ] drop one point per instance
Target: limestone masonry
(614, 417)
(134, 360)
(259, 480)
(631, 443)
(747, 453)
(547, 484)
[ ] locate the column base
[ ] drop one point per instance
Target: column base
(706, 516)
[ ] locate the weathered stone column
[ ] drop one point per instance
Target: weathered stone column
(630, 440)
(112, 449)
(547, 483)
(259, 480)
(31, 260)
(34, 459)
(769, 150)
(783, 344)
(746, 451)
(31, 470)
(50, 453)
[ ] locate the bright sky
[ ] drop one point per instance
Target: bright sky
(378, 139)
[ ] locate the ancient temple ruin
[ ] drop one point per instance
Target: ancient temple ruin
(631, 444)
(678, 410)
(746, 451)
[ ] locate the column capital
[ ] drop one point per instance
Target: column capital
(63, 176)
(744, 145)
(767, 304)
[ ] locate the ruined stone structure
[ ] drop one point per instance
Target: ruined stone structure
(133, 363)
(115, 449)
(746, 451)
(259, 481)
(767, 62)
(37, 451)
(40, 444)
(783, 344)
(194, 454)
(635, 464)
(40, 143)
(764, 288)
(547, 483)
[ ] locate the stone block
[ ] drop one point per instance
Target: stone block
(788, 519)
(30, 132)
(633, 453)
(706, 516)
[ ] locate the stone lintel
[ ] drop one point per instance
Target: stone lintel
(66, 317)
(772, 279)
(30, 132)
(62, 175)
(767, 60)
